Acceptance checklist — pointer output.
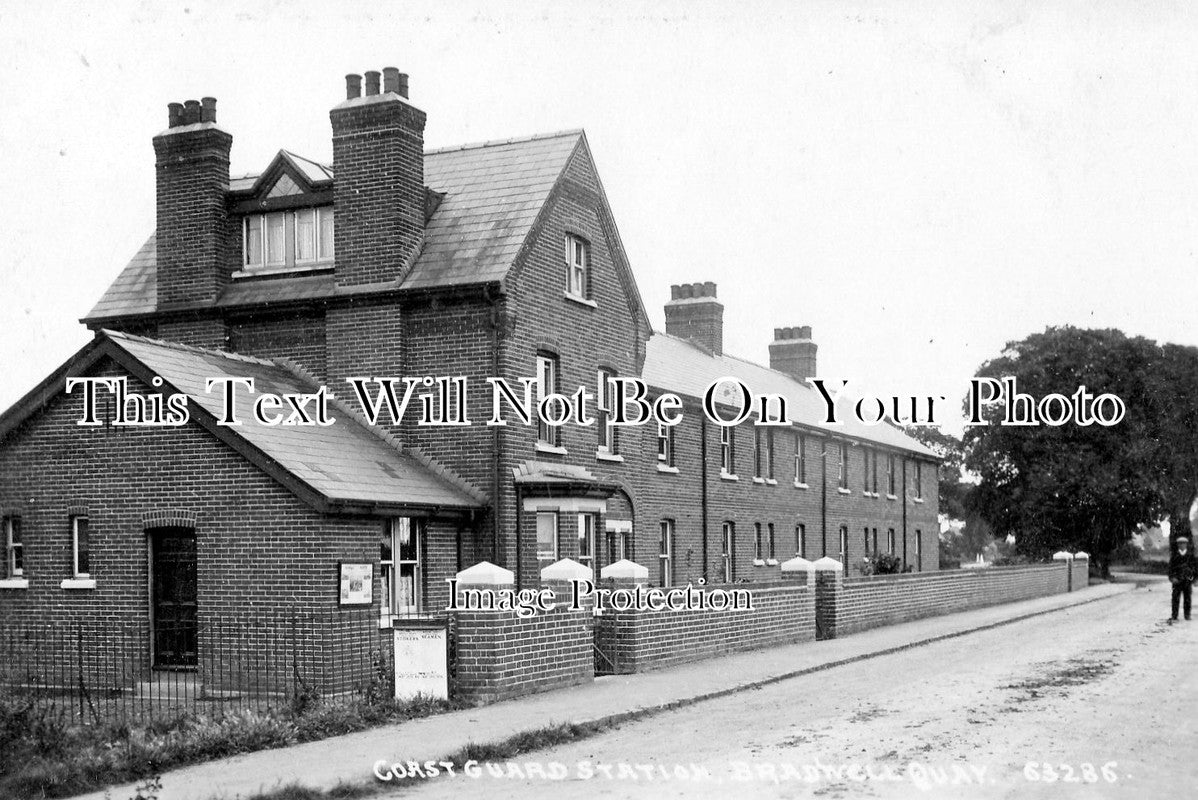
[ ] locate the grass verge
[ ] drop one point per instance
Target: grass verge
(44, 755)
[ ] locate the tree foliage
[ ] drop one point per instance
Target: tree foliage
(1075, 487)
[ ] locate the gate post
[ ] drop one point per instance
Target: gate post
(829, 591)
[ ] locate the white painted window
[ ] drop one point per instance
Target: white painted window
(727, 452)
(546, 385)
(801, 540)
(800, 458)
(282, 239)
(14, 547)
(729, 552)
(665, 444)
(400, 566)
(577, 265)
(547, 543)
(843, 476)
(608, 433)
(80, 547)
(666, 553)
(586, 540)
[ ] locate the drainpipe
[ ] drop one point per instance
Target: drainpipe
(519, 516)
(703, 487)
(823, 498)
(904, 512)
(494, 322)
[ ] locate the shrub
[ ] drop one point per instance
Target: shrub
(882, 564)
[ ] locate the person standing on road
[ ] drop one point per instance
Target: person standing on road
(1183, 570)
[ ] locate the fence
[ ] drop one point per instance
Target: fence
(98, 671)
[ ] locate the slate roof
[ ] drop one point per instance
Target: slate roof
(493, 194)
(676, 365)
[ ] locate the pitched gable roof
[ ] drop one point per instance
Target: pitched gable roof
(676, 365)
(493, 192)
(343, 466)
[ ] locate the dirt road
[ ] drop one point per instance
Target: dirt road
(1093, 701)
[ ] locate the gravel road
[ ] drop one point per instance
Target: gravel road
(1097, 700)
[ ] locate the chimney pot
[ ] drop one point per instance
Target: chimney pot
(778, 333)
(403, 85)
(675, 291)
(191, 112)
(709, 289)
(353, 86)
(208, 109)
(372, 83)
(688, 291)
(390, 80)
(805, 332)
(174, 115)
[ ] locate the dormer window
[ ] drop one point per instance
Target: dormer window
(288, 240)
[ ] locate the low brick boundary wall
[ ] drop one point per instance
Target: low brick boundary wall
(498, 655)
(849, 605)
(636, 640)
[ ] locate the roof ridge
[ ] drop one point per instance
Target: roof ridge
(498, 142)
(741, 359)
(187, 348)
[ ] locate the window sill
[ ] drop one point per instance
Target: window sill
(759, 562)
(603, 455)
(843, 490)
(79, 583)
(917, 500)
(14, 583)
(665, 468)
(773, 562)
(286, 269)
(582, 301)
(551, 448)
(758, 479)
(801, 485)
(728, 476)
(891, 497)
(771, 482)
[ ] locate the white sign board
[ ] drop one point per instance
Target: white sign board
(421, 663)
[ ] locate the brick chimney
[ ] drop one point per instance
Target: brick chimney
(693, 313)
(793, 352)
(192, 177)
(378, 191)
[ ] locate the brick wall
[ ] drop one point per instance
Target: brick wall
(849, 605)
(638, 640)
(261, 553)
(1079, 574)
(497, 655)
(298, 337)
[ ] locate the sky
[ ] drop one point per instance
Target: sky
(920, 183)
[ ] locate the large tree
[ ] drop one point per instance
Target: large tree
(1074, 487)
(1174, 406)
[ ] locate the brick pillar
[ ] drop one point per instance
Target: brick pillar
(616, 632)
(829, 589)
(799, 569)
(1080, 573)
(1068, 559)
(478, 636)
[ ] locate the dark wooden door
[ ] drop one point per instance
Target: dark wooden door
(174, 564)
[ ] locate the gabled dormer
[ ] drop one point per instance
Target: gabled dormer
(283, 218)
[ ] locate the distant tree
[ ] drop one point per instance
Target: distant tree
(1070, 487)
(1173, 403)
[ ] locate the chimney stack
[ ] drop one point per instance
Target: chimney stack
(793, 352)
(378, 157)
(695, 314)
(192, 179)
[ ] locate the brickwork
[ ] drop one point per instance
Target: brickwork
(849, 605)
(300, 338)
(211, 334)
(260, 552)
(192, 168)
(639, 640)
(1079, 574)
(378, 158)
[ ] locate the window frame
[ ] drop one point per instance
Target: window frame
(548, 435)
(728, 551)
(588, 525)
(545, 556)
(14, 547)
(801, 540)
(665, 444)
(391, 571)
(800, 459)
(772, 552)
(576, 244)
(919, 480)
(727, 450)
(890, 475)
(76, 519)
(607, 432)
(665, 556)
(291, 260)
(758, 549)
(843, 478)
(844, 544)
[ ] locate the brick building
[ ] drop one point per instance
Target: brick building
(498, 259)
